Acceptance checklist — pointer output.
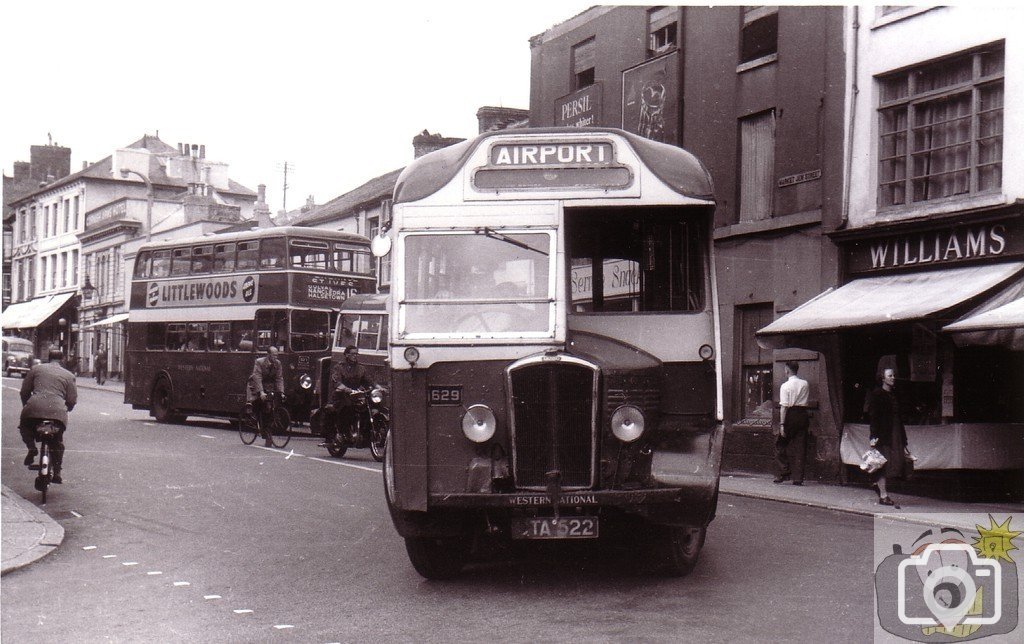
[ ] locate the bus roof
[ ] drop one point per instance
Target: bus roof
(677, 168)
(260, 233)
(377, 302)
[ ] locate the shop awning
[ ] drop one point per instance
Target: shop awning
(30, 314)
(891, 298)
(1007, 316)
(113, 319)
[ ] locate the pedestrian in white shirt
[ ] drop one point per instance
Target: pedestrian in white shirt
(793, 423)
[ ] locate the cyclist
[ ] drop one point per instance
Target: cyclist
(267, 378)
(48, 392)
(346, 377)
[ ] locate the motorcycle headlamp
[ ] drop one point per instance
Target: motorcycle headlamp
(305, 381)
(479, 423)
(627, 423)
(377, 395)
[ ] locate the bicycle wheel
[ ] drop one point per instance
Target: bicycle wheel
(248, 427)
(280, 428)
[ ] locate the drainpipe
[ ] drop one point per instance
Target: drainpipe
(854, 91)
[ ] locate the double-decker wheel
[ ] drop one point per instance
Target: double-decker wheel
(437, 558)
(248, 426)
(279, 426)
(677, 548)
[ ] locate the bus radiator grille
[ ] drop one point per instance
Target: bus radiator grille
(553, 424)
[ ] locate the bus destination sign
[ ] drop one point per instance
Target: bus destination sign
(240, 289)
(577, 154)
(322, 289)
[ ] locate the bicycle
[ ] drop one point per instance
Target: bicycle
(46, 431)
(273, 421)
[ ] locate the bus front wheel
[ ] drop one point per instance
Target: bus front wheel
(676, 548)
(437, 558)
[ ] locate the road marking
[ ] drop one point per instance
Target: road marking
(129, 563)
(154, 572)
(211, 596)
(109, 556)
(103, 413)
(79, 516)
(290, 454)
(88, 547)
(352, 465)
(204, 436)
(242, 611)
(182, 583)
(280, 626)
(274, 449)
(149, 424)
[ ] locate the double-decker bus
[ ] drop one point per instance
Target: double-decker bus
(203, 309)
(553, 346)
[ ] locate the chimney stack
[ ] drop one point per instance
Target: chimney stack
(202, 151)
(425, 143)
(491, 119)
(261, 193)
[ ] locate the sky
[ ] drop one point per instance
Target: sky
(335, 90)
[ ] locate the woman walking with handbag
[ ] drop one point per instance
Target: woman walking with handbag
(887, 434)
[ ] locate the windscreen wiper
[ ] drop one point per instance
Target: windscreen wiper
(493, 234)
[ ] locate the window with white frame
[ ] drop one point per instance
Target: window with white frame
(757, 165)
(941, 129)
(662, 28)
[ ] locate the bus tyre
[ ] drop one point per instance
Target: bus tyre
(437, 558)
(676, 548)
(161, 402)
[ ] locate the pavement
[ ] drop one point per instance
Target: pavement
(29, 534)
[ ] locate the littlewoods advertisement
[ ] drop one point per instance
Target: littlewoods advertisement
(241, 289)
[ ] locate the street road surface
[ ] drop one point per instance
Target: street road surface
(179, 533)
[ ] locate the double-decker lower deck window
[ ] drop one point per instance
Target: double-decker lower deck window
(941, 129)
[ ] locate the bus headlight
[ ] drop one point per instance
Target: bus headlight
(706, 352)
(377, 395)
(412, 354)
(627, 423)
(305, 381)
(479, 423)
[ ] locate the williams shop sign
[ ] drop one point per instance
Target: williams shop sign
(939, 247)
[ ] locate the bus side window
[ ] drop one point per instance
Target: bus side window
(202, 260)
(271, 329)
(272, 253)
(363, 263)
(161, 266)
(342, 259)
(220, 336)
(156, 335)
(142, 264)
(241, 335)
(177, 336)
(308, 254)
(197, 340)
(248, 255)
(223, 258)
(369, 330)
(181, 262)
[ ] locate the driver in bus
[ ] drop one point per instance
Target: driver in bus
(267, 378)
(346, 377)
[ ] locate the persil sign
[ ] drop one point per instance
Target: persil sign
(579, 154)
(240, 289)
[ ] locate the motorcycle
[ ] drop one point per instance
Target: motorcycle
(44, 433)
(369, 427)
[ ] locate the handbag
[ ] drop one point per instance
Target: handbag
(872, 461)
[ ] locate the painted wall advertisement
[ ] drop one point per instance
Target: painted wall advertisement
(650, 99)
(582, 108)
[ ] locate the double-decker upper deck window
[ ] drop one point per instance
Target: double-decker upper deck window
(272, 253)
(161, 264)
(202, 259)
(223, 258)
(661, 30)
(583, 58)
(941, 129)
(142, 264)
(760, 35)
(308, 254)
(648, 261)
(248, 255)
(181, 261)
(348, 260)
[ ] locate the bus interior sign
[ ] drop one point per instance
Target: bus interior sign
(554, 165)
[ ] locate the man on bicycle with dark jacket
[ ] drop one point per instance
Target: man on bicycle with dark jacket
(267, 379)
(48, 392)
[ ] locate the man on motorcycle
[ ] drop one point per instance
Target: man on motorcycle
(48, 392)
(267, 378)
(346, 377)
